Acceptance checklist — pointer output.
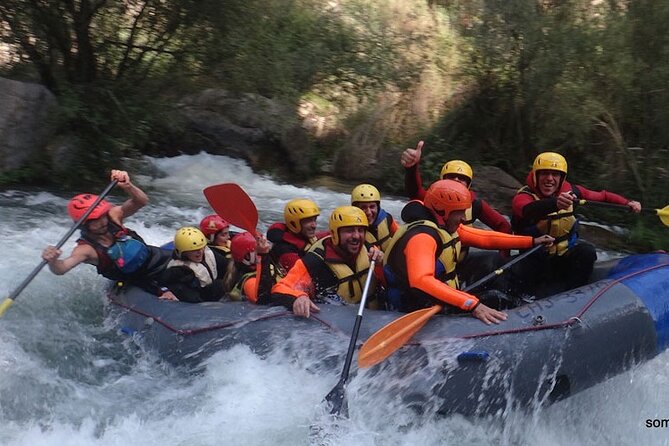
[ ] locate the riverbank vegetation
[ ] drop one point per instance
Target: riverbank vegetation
(490, 81)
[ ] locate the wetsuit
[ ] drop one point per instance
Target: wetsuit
(423, 257)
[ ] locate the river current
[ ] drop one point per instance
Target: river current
(69, 377)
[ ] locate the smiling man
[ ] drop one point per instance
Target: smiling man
(335, 268)
(293, 238)
(545, 205)
(382, 226)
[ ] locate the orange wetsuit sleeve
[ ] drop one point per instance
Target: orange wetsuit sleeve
(297, 283)
(420, 256)
(484, 239)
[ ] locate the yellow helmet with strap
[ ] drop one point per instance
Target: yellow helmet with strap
(550, 161)
(365, 193)
(457, 167)
(187, 239)
(297, 210)
(345, 216)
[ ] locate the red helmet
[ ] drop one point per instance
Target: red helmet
(242, 244)
(445, 196)
(212, 225)
(78, 206)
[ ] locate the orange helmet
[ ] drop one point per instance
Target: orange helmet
(445, 196)
(79, 204)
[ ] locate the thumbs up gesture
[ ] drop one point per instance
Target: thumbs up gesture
(410, 157)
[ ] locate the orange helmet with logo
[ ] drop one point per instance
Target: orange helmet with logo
(446, 196)
(79, 204)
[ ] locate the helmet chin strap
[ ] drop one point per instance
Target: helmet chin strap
(249, 259)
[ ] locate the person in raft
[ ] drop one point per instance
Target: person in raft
(241, 278)
(118, 253)
(382, 226)
(420, 264)
(545, 205)
(195, 273)
(456, 170)
(217, 232)
(293, 238)
(334, 270)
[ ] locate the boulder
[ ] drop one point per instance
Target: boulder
(245, 125)
(24, 122)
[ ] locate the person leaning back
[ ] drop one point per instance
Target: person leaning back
(117, 252)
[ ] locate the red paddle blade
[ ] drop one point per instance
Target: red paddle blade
(393, 336)
(233, 204)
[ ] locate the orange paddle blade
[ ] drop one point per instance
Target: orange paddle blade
(394, 335)
(233, 204)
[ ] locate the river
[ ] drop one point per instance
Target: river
(68, 377)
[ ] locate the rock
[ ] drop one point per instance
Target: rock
(245, 125)
(495, 186)
(24, 126)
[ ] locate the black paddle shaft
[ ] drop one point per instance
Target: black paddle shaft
(336, 395)
(62, 241)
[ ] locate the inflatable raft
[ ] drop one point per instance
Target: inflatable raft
(545, 351)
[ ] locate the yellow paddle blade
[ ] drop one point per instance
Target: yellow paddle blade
(4, 306)
(392, 336)
(663, 214)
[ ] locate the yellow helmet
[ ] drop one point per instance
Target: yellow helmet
(345, 216)
(187, 239)
(549, 161)
(365, 193)
(457, 167)
(297, 210)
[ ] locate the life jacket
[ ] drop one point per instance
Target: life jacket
(394, 263)
(472, 214)
(225, 249)
(269, 268)
(333, 277)
(126, 256)
(205, 272)
(561, 225)
(285, 241)
(378, 233)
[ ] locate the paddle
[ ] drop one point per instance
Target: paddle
(394, 335)
(4, 306)
(662, 213)
(336, 397)
(233, 204)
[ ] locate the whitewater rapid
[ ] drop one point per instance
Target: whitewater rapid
(68, 377)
